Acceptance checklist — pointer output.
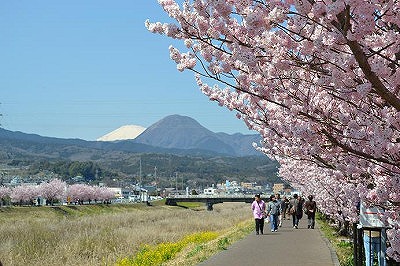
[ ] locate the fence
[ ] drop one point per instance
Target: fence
(377, 243)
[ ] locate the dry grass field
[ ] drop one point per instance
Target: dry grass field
(104, 234)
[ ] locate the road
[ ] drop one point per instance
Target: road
(287, 247)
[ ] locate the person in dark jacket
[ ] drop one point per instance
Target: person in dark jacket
(285, 207)
(310, 207)
(300, 208)
(281, 206)
(294, 210)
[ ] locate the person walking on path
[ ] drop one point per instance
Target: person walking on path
(295, 210)
(310, 207)
(285, 207)
(258, 208)
(280, 203)
(273, 212)
(300, 207)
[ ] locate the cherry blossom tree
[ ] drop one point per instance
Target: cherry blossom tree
(5, 193)
(104, 194)
(24, 194)
(319, 80)
(57, 189)
(54, 190)
(77, 192)
(327, 188)
(81, 193)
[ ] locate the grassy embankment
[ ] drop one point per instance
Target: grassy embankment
(342, 245)
(118, 234)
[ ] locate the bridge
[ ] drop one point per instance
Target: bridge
(209, 200)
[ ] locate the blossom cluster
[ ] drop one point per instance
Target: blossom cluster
(56, 190)
(319, 80)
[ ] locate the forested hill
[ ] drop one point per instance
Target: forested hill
(69, 157)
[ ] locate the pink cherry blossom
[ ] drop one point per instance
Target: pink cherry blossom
(319, 80)
(24, 194)
(53, 190)
(5, 192)
(86, 193)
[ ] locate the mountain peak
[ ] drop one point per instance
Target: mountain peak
(127, 132)
(178, 122)
(183, 132)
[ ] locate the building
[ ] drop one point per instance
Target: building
(247, 185)
(278, 188)
(120, 192)
(209, 191)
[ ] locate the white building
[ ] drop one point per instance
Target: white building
(209, 191)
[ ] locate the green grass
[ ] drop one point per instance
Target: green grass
(156, 255)
(196, 250)
(223, 243)
(192, 205)
(342, 246)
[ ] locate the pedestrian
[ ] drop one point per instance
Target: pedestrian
(300, 207)
(280, 203)
(258, 208)
(294, 210)
(310, 207)
(273, 212)
(285, 207)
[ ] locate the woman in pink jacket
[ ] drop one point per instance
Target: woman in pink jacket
(258, 208)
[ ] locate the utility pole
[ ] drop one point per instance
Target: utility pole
(140, 173)
(140, 180)
(176, 181)
(155, 176)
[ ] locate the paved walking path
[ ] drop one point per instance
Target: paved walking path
(287, 247)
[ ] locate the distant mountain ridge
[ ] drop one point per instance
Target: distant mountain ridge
(173, 134)
(183, 132)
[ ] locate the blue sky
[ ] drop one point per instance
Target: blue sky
(80, 69)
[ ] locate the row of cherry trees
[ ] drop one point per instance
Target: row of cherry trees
(56, 190)
(319, 80)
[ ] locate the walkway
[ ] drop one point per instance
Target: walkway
(287, 247)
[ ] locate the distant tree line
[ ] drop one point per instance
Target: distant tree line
(89, 170)
(198, 169)
(160, 168)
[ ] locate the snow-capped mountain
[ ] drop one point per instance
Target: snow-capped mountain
(184, 133)
(127, 132)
